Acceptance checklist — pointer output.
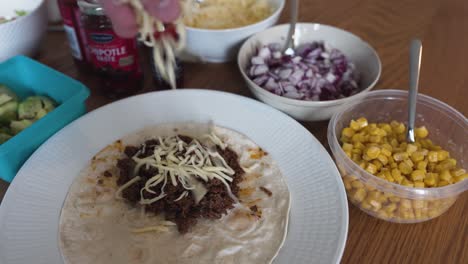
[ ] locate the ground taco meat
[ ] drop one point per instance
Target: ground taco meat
(183, 212)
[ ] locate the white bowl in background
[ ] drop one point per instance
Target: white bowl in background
(356, 50)
(221, 45)
(23, 35)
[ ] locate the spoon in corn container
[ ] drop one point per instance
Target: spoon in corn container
(415, 66)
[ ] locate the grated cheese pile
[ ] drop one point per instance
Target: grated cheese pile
(224, 14)
(181, 163)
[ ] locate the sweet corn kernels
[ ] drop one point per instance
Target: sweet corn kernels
(421, 165)
(407, 183)
(418, 175)
(348, 132)
(458, 172)
(442, 155)
(383, 159)
(446, 176)
(432, 156)
(417, 156)
(375, 139)
(443, 183)
(430, 179)
(460, 178)
(400, 156)
(421, 132)
(411, 148)
(419, 184)
(382, 150)
(405, 168)
(357, 184)
(371, 168)
(347, 147)
(377, 164)
(360, 195)
(447, 164)
(390, 208)
(366, 206)
(373, 152)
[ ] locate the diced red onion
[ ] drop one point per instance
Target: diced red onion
(296, 59)
(257, 60)
(330, 77)
(261, 80)
(271, 85)
(285, 73)
(274, 76)
(293, 95)
(289, 88)
(258, 70)
(296, 76)
(265, 53)
(316, 72)
(277, 55)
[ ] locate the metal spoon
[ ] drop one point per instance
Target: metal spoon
(289, 46)
(415, 66)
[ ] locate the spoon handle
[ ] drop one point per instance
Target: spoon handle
(415, 66)
(292, 26)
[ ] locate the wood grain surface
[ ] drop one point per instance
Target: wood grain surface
(388, 26)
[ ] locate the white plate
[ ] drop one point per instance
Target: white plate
(318, 225)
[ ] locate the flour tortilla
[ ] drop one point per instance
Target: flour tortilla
(95, 227)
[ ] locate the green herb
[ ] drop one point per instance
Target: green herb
(21, 12)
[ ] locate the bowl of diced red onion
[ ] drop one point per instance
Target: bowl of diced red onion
(330, 68)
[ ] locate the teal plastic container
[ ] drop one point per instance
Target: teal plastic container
(27, 77)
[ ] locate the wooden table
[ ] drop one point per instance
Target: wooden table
(388, 26)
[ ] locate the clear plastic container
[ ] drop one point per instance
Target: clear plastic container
(389, 201)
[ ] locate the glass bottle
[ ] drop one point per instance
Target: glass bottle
(72, 25)
(114, 59)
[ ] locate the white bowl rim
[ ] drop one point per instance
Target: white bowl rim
(29, 13)
(227, 30)
(296, 102)
(401, 190)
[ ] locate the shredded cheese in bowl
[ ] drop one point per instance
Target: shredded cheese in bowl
(225, 14)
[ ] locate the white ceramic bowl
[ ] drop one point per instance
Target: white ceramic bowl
(356, 50)
(211, 45)
(23, 35)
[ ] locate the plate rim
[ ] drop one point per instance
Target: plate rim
(342, 238)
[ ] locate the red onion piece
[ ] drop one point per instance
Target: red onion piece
(257, 60)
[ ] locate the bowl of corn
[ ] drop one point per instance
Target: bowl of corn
(389, 178)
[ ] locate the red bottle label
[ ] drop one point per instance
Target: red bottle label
(107, 50)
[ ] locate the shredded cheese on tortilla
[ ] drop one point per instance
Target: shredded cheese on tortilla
(183, 195)
(165, 47)
(213, 137)
(125, 186)
(181, 163)
(162, 227)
